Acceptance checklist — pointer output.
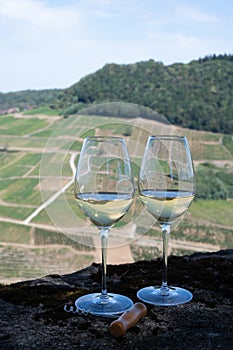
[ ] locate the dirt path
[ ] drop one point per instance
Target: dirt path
(117, 254)
(56, 194)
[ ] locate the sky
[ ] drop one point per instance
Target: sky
(46, 44)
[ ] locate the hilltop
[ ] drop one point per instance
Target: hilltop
(197, 95)
(27, 99)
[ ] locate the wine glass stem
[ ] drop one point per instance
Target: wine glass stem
(165, 234)
(104, 246)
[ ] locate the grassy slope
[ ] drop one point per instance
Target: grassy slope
(25, 139)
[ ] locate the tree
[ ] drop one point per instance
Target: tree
(209, 186)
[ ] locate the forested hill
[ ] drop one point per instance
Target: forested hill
(27, 98)
(197, 95)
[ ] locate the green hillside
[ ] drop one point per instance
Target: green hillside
(37, 154)
(28, 98)
(197, 95)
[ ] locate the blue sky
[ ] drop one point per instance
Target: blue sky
(54, 43)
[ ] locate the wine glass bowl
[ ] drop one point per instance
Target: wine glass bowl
(104, 190)
(166, 188)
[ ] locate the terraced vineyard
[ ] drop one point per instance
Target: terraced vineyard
(41, 229)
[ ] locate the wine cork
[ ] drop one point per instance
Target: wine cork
(128, 319)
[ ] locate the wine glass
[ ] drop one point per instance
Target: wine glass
(104, 190)
(166, 188)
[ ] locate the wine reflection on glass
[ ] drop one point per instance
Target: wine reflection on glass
(104, 189)
(166, 188)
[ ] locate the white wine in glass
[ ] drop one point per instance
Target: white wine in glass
(104, 189)
(166, 188)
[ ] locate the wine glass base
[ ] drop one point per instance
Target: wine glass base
(98, 305)
(164, 297)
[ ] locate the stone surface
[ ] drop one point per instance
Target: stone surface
(32, 313)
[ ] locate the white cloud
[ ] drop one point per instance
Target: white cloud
(49, 43)
(33, 26)
(18, 10)
(194, 14)
(184, 41)
(32, 21)
(36, 12)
